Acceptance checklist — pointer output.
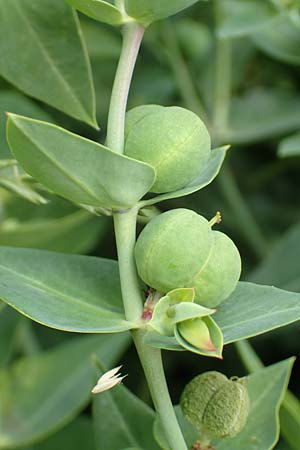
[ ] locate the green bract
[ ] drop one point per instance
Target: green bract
(179, 249)
(171, 248)
(216, 405)
(173, 140)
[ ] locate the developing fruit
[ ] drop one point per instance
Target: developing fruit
(178, 249)
(216, 405)
(173, 140)
(171, 248)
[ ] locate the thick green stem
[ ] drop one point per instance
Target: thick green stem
(125, 231)
(152, 364)
(132, 38)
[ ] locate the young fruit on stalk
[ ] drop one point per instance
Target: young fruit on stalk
(215, 405)
(179, 249)
(173, 140)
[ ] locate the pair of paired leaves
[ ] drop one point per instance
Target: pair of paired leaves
(82, 294)
(143, 11)
(266, 390)
(86, 172)
(40, 394)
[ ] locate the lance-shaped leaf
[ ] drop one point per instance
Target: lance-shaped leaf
(289, 146)
(12, 180)
(209, 173)
(263, 113)
(9, 321)
(128, 424)
(77, 435)
(53, 66)
(201, 336)
(266, 390)
(76, 168)
(281, 38)
(148, 11)
(104, 11)
(11, 100)
(58, 227)
(244, 17)
(254, 309)
(41, 394)
(67, 292)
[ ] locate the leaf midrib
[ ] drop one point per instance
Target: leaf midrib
(35, 284)
(49, 59)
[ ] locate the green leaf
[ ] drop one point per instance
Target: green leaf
(244, 17)
(128, 423)
(157, 340)
(78, 435)
(281, 39)
(290, 420)
(148, 11)
(266, 390)
(41, 394)
(205, 178)
(40, 68)
(77, 232)
(290, 409)
(12, 180)
(66, 292)
(77, 168)
(98, 10)
(9, 320)
(272, 271)
(261, 114)
(253, 309)
(16, 102)
(110, 48)
(289, 146)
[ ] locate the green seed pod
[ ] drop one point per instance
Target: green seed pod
(171, 248)
(218, 278)
(173, 140)
(216, 405)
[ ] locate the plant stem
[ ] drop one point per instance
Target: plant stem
(132, 38)
(181, 72)
(226, 180)
(125, 231)
(242, 213)
(222, 94)
(152, 364)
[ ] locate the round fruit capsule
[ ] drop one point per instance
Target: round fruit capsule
(216, 405)
(172, 248)
(173, 140)
(218, 277)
